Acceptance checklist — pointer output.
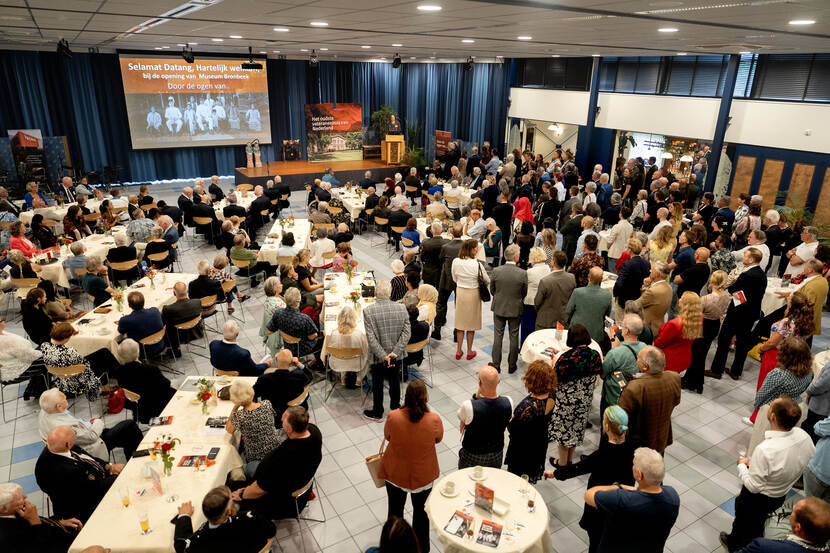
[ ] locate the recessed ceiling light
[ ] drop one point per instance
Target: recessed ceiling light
(234, 36)
(181, 45)
(667, 29)
(303, 49)
(324, 49)
(165, 47)
(365, 46)
(412, 57)
(594, 55)
(282, 29)
(429, 8)
(681, 53)
(396, 45)
(432, 57)
(802, 21)
(744, 53)
(158, 47)
(468, 41)
(319, 24)
(524, 37)
(218, 39)
(499, 56)
(193, 43)
(276, 51)
(554, 55)
(263, 52)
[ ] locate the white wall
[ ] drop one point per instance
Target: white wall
(780, 125)
(543, 145)
(561, 106)
(667, 115)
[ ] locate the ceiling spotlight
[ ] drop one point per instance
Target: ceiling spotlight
(524, 37)
(682, 54)
(365, 46)
(303, 49)
(594, 55)
(468, 41)
(187, 54)
(319, 24)
(251, 64)
(554, 55)
(324, 49)
(469, 63)
(63, 49)
(396, 61)
(234, 36)
(412, 57)
(181, 45)
(312, 60)
(667, 30)
(192, 43)
(218, 39)
(744, 53)
(802, 21)
(282, 29)
(276, 51)
(397, 45)
(429, 8)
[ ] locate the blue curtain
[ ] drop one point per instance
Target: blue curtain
(83, 99)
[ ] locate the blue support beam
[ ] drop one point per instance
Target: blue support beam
(723, 121)
(583, 163)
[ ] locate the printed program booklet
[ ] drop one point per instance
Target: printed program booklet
(161, 421)
(489, 534)
(459, 523)
(484, 497)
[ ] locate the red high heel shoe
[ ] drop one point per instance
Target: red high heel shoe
(471, 355)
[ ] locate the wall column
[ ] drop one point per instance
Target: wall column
(723, 121)
(584, 144)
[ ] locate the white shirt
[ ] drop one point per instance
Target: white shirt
(589, 198)
(534, 275)
(560, 191)
(763, 248)
(465, 273)
(16, 354)
(87, 435)
(806, 252)
(778, 462)
(318, 248)
(477, 230)
(397, 201)
(465, 412)
(617, 238)
(657, 228)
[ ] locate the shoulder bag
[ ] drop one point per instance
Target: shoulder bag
(483, 290)
(373, 464)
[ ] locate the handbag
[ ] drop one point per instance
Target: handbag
(116, 400)
(483, 290)
(373, 464)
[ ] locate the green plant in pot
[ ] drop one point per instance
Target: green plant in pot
(415, 157)
(381, 120)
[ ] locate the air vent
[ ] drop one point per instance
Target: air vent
(179, 11)
(730, 47)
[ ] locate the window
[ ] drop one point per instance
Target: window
(681, 74)
(746, 75)
(648, 75)
(798, 77)
(709, 73)
(818, 87)
(557, 73)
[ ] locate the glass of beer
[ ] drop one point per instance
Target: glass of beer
(124, 492)
(144, 522)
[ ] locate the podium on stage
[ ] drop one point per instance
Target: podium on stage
(392, 149)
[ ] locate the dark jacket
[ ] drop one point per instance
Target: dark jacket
(630, 279)
(280, 387)
(753, 283)
(262, 203)
(232, 357)
(75, 487)
(203, 286)
(19, 536)
(186, 206)
(173, 212)
(431, 258)
(366, 183)
(147, 381)
(121, 253)
(216, 191)
(570, 236)
(140, 324)
(448, 253)
(234, 209)
(180, 311)
(245, 532)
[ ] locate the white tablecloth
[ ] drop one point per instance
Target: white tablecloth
(532, 537)
(102, 330)
(534, 346)
(351, 202)
(116, 527)
(95, 245)
(464, 198)
(245, 200)
(336, 295)
(55, 213)
(773, 301)
(302, 239)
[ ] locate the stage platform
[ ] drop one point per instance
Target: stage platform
(297, 174)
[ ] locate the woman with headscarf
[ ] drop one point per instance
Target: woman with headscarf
(427, 301)
(522, 211)
(43, 234)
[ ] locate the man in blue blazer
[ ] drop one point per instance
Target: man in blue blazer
(810, 523)
(227, 355)
(171, 235)
(142, 323)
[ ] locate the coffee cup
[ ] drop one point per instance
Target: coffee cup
(449, 487)
(478, 471)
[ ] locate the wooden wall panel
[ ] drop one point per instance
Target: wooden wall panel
(742, 179)
(800, 185)
(822, 215)
(771, 181)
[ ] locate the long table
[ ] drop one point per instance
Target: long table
(116, 527)
(55, 212)
(242, 199)
(102, 329)
(302, 239)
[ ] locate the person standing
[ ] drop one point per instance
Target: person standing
(747, 292)
(388, 332)
(483, 420)
(554, 293)
(631, 274)
(624, 508)
(446, 284)
(431, 254)
(508, 284)
(676, 335)
(714, 306)
(776, 464)
(410, 463)
(528, 427)
(656, 298)
(589, 306)
(650, 400)
(467, 272)
(620, 363)
(539, 270)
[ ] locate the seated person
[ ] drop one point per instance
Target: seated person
(157, 245)
(437, 208)
(181, 311)
(254, 419)
(411, 233)
(287, 247)
(145, 380)
(18, 240)
(139, 228)
(296, 324)
(343, 234)
(419, 332)
(57, 354)
(43, 234)
(322, 245)
(347, 335)
(122, 252)
(344, 255)
(227, 355)
(142, 323)
(233, 208)
(221, 273)
(96, 281)
(203, 285)
(285, 470)
(23, 268)
(320, 215)
(75, 481)
(226, 236)
(92, 436)
(283, 384)
(240, 253)
(22, 530)
(227, 528)
(77, 261)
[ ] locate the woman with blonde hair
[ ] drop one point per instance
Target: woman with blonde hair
(713, 307)
(427, 301)
(638, 212)
(676, 336)
(548, 244)
(466, 271)
(346, 335)
(255, 421)
(676, 217)
(528, 428)
(662, 247)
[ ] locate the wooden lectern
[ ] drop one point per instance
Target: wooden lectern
(392, 149)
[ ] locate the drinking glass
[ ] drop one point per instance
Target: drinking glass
(525, 480)
(144, 522)
(124, 492)
(531, 500)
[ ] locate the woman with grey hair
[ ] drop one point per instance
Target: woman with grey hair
(272, 288)
(255, 421)
(347, 335)
(492, 241)
(590, 194)
(157, 246)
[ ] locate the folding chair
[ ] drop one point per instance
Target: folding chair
(227, 286)
(343, 354)
(69, 372)
(147, 207)
(92, 217)
(18, 380)
(305, 395)
(190, 325)
(244, 264)
(152, 340)
(20, 287)
(203, 222)
(217, 372)
(421, 346)
(134, 398)
(155, 257)
(379, 223)
(396, 234)
(121, 268)
(244, 187)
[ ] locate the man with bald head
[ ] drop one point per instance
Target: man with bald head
(180, 311)
(283, 383)
(215, 189)
(694, 278)
(75, 481)
(260, 204)
(483, 419)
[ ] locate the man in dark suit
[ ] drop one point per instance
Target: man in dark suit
(284, 384)
(477, 179)
(233, 208)
(571, 231)
(508, 284)
(65, 189)
(204, 286)
(171, 211)
(282, 190)
(22, 530)
(366, 181)
(273, 197)
(227, 355)
(185, 203)
(343, 234)
(446, 284)
(7, 204)
(747, 292)
(260, 204)
(75, 481)
(431, 254)
(171, 234)
(553, 294)
(371, 202)
(205, 209)
(215, 190)
(323, 192)
(120, 253)
(141, 323)
(567, 207)
(474, 161)
(226, 529)
(180, 311)
(398, 218)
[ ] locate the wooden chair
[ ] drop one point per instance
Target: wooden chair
(304, 395)
(327, 262)
(291, 341)
(327, 226)
(421, 346)
(161, 256)
(19, 380)
(244, 264)
(227, 286)
(147, 207)
(411, 188)
(203, 222)
(342, 354)
(119, 210)
(5, 225)
(135, 398)
(190, 325)
(297, 494)
(335, 211)
(125, 270)
(289, 259)
(361, 220)
(69, 372)
(407, 243)
(244, 187)
(396, 233)
(152, 340)
(379, 222)
(49, 223)
(209, 309)
(92, 217)
(217, 372)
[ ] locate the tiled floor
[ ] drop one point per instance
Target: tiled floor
(701, 463)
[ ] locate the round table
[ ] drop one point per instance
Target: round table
(537, 342)
(773, 301)
(532, 536)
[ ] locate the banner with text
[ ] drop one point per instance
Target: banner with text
(442, 142)
(334, 132)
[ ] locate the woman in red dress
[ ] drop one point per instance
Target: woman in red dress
(676, 336)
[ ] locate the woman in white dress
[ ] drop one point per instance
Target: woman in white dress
(466, 270)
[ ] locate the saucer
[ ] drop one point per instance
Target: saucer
(481, 478)
(445, 494)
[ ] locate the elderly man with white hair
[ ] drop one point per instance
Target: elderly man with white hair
(215, 190)
(431, 254)
(227, 355)
(624, 508)
(261, 204)
(366, 181)
(144, 379)
(508, 170)
(185, 203)
(477, 179)
(398, 200)
(413, 185)
(802, 253)
(170, 235)
(22, 530)
(65, 189)
(91, 435)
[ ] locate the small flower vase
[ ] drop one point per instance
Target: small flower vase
(349, 278)
(153, 283)
(356, 306)
(119, 306)
(167, 465)
(204, 407)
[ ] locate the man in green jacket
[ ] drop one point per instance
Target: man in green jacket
(589, 306)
